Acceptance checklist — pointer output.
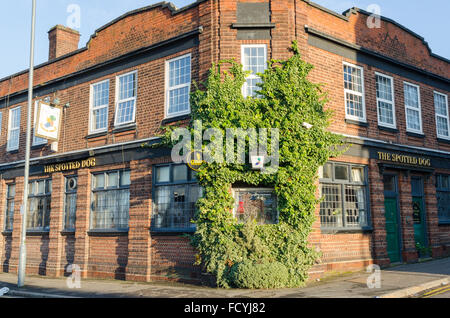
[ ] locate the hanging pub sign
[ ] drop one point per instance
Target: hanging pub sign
(48, 123)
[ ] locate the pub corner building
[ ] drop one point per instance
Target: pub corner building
(100, 200)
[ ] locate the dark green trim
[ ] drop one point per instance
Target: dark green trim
(127, 127)
(253, 25)
(356, 122)
(107, 233)
(7, 233)
(346, 230)
(392, 130)
(411, 134)
(445, 141)
(175, 119)
(96, 135)
(37, 233)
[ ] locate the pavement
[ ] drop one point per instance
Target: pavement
(409, 280)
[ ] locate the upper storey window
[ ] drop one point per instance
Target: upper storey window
(385, 101)
(254, 59)
(126, 99)
(355, 108)
(13, 129)
(442, 117)
(412, 108)
(178, 86)
(99, 107)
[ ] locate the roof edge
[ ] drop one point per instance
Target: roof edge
(347, 13)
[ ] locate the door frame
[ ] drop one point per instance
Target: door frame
(394, 195)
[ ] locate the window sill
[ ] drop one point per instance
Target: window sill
(96, 135)
(417, 135)
(445, 141)
(67, 232)
(444, 223)
(175, 119)
(37, 233)
(356, 122)
(346, 230)
(253, 25)
(392, 130)
(7, 233)
(125, 127)
(110, 232)
(168, 231)
(12, 151)
(34, 147)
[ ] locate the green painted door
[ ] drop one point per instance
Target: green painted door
(418, 207)
(392, 235)
(419, 222)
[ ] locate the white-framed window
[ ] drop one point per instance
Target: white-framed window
(99, 101)
(126, 95)
(442, 116)
(355, 106)
(178, 86)
(385, 100)
(13, 129)
(37, 140)
(254, 59)
(413, 111)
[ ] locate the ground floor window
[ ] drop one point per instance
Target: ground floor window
(9, 215)
(70, 202)
(258, 204)
(343, 189)
(443, 198)
(175, 195)
(39, 205)
(110, 200)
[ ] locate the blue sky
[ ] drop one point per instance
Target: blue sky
(427, 18)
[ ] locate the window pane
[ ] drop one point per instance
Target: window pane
(326, 172)
(127, 86)
(100, 94)
(179, 100)
(442, 126)
(386, 113)
(341, 172)
(11, 190)
(357, 175)
(384, 88)
(355, 206)
(331, 205)
(163, 174)
(41, 187)
(389, 183)
(180, 173)
(99, 181)
(443, 202)
(440, 105)
(354, 105)
(110, 209)
(258, 205)
(125, 112)
(413, 119)
(411, 96)
(352, 78)
(125, 178)
(100, 118)
(113, 179)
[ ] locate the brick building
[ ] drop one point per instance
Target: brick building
(100, 200)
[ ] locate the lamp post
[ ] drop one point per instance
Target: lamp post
(24, 207)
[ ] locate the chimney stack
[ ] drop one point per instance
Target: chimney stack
(63, 40)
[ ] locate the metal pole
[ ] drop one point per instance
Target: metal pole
(24, 207)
